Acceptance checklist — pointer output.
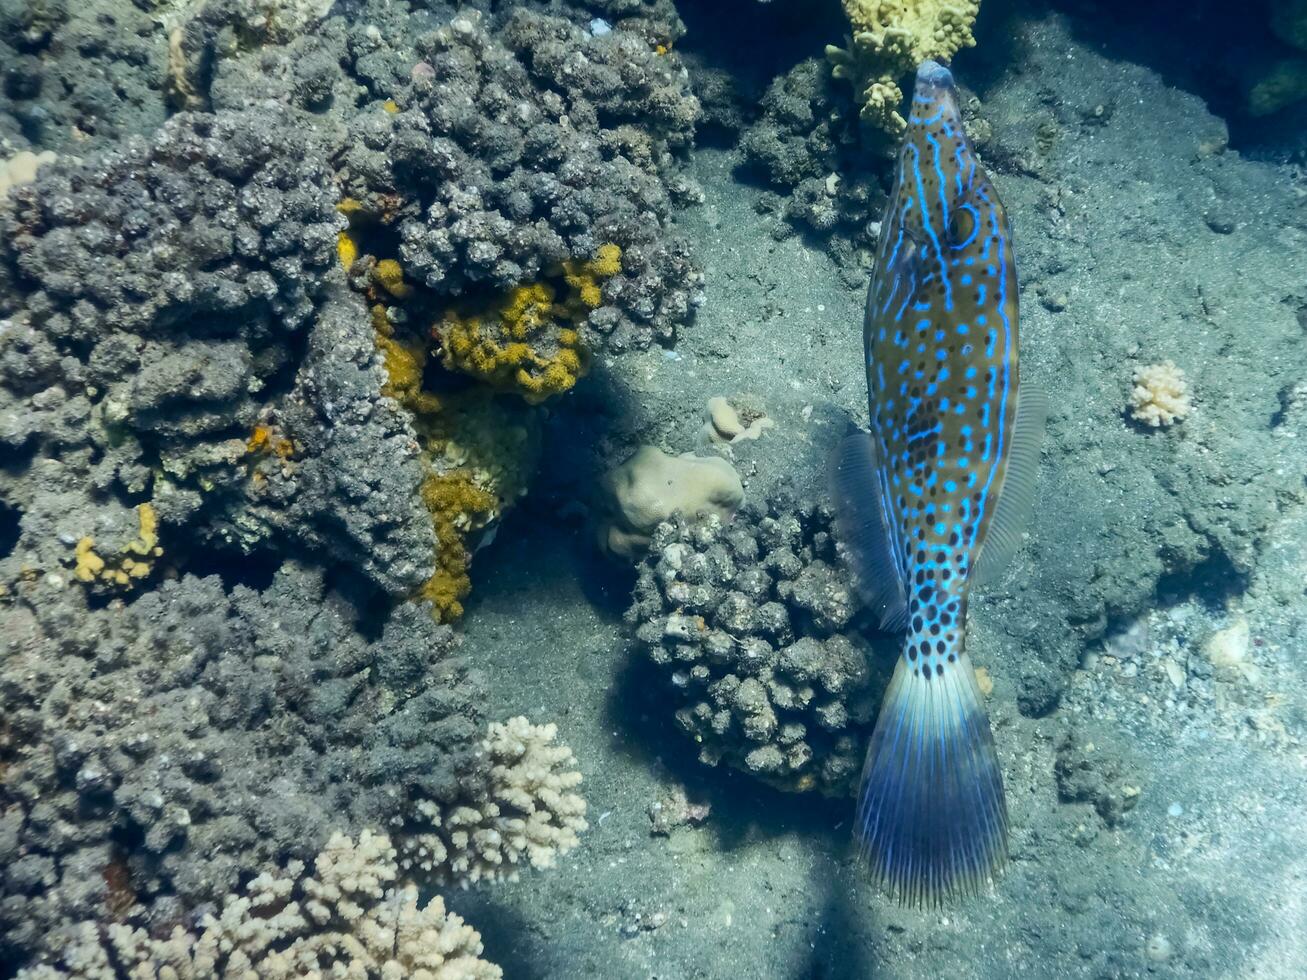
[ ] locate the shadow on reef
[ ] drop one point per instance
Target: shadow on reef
(743, 808)
(837, 949)
(1200, 46)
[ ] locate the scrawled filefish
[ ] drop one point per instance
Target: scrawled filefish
(933, 498)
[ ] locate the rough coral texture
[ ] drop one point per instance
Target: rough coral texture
(807, 144)
(349, 917)
(749, 623)
(530, 815)
(156, 754)
(890, 39)
(161, 305)
(518, 150)
(79, 75)
(1160, 395)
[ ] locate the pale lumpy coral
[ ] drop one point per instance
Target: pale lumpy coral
(529, 815)
(1160, 395)
(349, 918)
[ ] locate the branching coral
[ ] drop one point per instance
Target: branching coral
(1160, 395)
(890, 38)
(531, 815)
(348, 919)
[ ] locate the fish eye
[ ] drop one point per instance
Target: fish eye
(962, 226)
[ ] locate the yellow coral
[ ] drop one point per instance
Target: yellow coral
(499, 344)
(505, 343)
(890, 39)
(389, 275)
(455, 502)
(89, 564)
(121, 569)
(347, 249)
(391, 106)
(586, 278)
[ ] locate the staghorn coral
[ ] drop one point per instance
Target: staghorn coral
(747, 622)
(156, 754)
(349, 917)
(890, 38)
(531, 816)
(1160, 395)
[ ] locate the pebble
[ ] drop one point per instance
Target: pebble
(1158, 948)
(1175, 810)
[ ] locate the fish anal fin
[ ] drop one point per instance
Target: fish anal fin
(1017, 497)
(860, 501)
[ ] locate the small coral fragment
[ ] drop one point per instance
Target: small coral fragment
(1160, 395)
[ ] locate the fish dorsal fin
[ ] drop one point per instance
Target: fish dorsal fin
(1017, 496)
(860, 502)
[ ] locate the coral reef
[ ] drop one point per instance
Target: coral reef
(164, 304)
(1160, 395)
(349, 917)
(78, 76)
(158, 753)
(529, 816)
(808, 145)
(649, 487)
(750, 624)
(517, 151)
(890, 39)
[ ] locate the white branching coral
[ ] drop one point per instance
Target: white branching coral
(530, 815)
(347, 920)
(1160, 395)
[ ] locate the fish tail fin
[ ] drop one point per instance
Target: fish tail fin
(932, 819)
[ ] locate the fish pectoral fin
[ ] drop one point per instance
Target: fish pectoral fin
(1016, 499)
(860, 503)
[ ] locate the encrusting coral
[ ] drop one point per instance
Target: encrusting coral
(530, 816)
(529, 341)
(890, 38)
(349, 917)
(1160, 395)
